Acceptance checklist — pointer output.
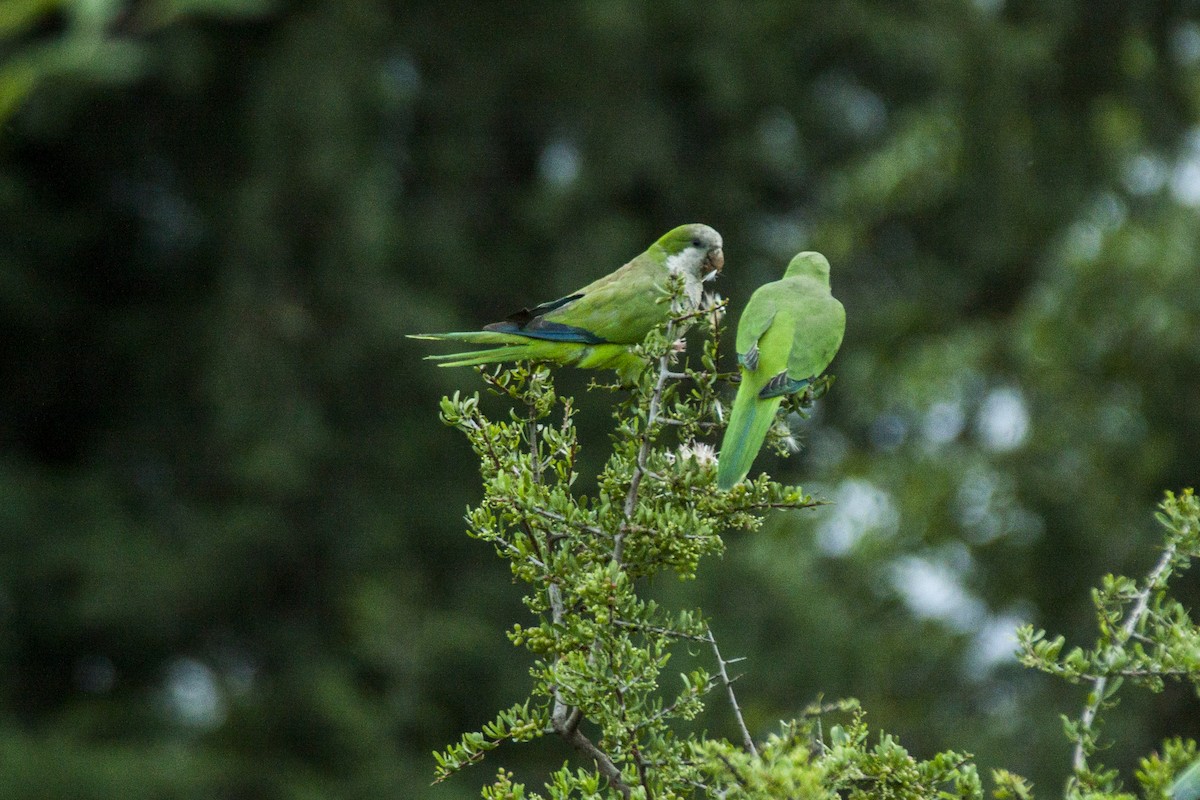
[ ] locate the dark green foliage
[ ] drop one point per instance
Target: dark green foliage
(217, 467)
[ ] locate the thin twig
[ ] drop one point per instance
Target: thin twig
(639, 471)
(1177, 672)
(643, 775)
(798, 506)
(561, 711)
(565, 720)
(1096, 695)
(737, 710)
(680, 423)
(536, 463)
(669, 709)
(480, 425)
(556, 517)
(660, 631)
(534, 560)
(737, 774)
(535, 456)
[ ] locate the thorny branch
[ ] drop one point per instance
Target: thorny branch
(747, 739)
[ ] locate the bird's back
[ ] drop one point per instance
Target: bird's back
(622, 307)
(819, 325)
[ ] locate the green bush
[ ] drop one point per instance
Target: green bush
(600, 649)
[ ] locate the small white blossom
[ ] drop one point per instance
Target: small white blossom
(700, 452)
(787, 437)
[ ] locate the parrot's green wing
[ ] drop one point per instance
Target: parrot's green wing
(621, 307)
(821, 326)
(756, 318)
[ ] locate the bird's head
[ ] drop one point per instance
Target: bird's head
(809, 265)
(694, 249)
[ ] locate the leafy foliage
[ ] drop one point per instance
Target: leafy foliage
(1146, 637)
(600, 648)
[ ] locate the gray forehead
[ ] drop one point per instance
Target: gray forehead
(706, 235)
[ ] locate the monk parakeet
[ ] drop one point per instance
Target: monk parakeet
(790, 331)
(596, 326)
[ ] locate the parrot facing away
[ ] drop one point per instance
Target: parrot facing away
(597, 326)
(790, 331)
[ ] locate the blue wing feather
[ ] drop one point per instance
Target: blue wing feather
(550, 331)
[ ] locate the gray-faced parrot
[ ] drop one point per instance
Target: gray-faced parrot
(597, 326)
(790, 331)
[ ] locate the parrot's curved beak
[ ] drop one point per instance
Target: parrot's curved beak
(714, 262)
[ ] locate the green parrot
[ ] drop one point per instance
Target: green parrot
(597, 326)
(790, 331)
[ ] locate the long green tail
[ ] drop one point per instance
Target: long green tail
(513, 347)
(474, 337)
(513, 352)
(749, 422)
(510, 348)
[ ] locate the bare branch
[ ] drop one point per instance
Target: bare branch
(534, 560)
(639, 762)
(702, 425)
(604, 764)
(747, 739)
(1178, 672)
(639, 470)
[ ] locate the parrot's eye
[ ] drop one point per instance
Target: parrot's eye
(695, 242)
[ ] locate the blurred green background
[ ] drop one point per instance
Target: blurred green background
(231, 552)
